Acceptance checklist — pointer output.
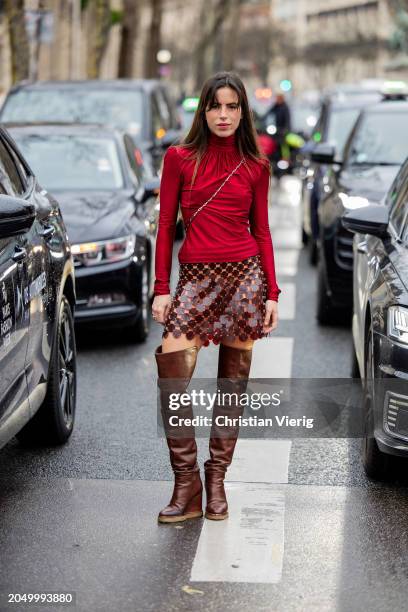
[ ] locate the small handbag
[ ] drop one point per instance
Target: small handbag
(214, 194)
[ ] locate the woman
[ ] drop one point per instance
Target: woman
(226, 292)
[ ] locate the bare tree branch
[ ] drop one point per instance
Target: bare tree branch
(20, 55)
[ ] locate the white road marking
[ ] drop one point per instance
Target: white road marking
(286, 262)
(287, 301)
(248, 546)
(286, 238)
(272, 358)
(260, 461)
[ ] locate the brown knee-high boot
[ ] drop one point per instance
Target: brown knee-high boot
(233, 372)
(186, 501)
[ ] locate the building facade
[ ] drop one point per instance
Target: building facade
(329, 41)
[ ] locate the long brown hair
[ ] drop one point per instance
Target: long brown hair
(198, 136)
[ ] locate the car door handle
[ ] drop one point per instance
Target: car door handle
(47, 231)
(362, 247)
(19, 254)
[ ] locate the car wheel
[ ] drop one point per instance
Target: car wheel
(377, 465)
(140, 330)
(54, 421)
(325, 310)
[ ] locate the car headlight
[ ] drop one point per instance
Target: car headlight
(398, 323)
(103, 251)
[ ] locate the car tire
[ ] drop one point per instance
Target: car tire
(377, 465)
(324, 310)
(139, 331)
(305, 237)
(53, 422)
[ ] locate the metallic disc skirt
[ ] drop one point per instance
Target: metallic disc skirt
(219, 300)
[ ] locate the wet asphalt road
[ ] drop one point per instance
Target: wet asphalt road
(83, 517)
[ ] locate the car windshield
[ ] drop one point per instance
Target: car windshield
(65, 162)
(380, 140)
(304, 117)
(340, 125)
(120, 108)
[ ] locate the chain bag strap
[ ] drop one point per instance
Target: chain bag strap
(214, 194)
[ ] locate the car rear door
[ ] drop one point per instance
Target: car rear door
(42, 285)
(14, 303)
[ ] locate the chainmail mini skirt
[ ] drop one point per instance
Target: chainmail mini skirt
(219, 300)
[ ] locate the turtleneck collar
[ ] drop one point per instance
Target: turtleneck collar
(226, 143)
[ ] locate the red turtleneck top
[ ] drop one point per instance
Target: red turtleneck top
(232, 227)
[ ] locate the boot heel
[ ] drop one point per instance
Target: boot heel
(195, 505)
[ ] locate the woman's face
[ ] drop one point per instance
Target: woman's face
(224, 116)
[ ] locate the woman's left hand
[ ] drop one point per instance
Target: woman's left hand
(271, 316)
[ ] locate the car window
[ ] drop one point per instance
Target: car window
(122, 108)
(10, 182)
(134, 157)
(399, 209)
(379, 140)
(340, 125)
(21, 167)
(156, 119)
(163, 109)
(73, 162)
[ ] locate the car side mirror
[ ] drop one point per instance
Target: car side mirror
(149, 190)
(323, 153)
(16, 216)
(371, 219)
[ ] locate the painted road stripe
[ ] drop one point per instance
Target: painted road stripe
(287, 301)
(286, 262)
(260, 461)
(248, 546)
(272, 358)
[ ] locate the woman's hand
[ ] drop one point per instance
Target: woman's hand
(271, 316)
(160, 307)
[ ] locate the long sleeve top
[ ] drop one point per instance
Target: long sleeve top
(232, 227)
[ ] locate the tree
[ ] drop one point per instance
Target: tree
(211, 21)
(153, 45)
(129, 30)
(19, 49)
(100, 22)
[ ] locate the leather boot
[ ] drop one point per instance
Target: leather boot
(186, 501)
(233, 372)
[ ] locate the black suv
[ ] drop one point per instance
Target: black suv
(143, 108)
(380, 326)
(37, 298)
(373, 154)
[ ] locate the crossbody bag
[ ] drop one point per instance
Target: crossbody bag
(214, 194)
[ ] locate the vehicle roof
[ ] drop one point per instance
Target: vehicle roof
(387, 106)
(95, 129)
(142, 84)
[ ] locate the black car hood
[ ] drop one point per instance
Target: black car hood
(96, 215)
(371, 182)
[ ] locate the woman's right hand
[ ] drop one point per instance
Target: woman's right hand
(160, 307)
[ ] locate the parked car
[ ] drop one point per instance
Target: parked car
(143, 108)
(380, 325)
(109, 207)
(373, 154)
(37, 300)
(336, 119)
